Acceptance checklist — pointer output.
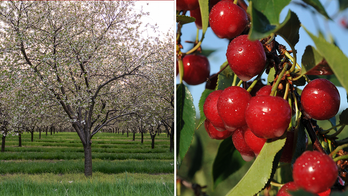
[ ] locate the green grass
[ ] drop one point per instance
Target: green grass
(125, 149)
(100, 184)
(109, 167)
(80, 155)
(54, 165)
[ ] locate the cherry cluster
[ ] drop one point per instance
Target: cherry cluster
(253, 115)
(250, 120)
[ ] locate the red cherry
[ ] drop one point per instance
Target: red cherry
(211, 112)
(231, 107)
(215, 134)
(246, 58)
(325, 193)
(268, 116)
(227, 20)
(314, 171)
(290, 186)
(254, 142)
(196, 13)
(196, 69)
(212, 82)
(266, 90)
(240, 144)
(320, 99)
(186, 5)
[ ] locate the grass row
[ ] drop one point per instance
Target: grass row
(80, 155)
(125, 184)
(77, 166)
(94, 150)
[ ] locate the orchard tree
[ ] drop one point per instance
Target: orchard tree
(81, 54)
(264, 103)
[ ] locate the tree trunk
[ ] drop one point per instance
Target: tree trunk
(39, 133)
(20, 140)
(171, 148)
(133, 136)
(32, 135)
(3, 143)
(88, 159)
(172, 137)
(127, 133)
(142, 137)
(51, 129)
(153, 140)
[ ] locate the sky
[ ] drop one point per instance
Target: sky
(162, 13)
(306, 18)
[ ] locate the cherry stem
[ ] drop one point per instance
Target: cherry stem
(333, 153)
(296, 106)
(280, 76)
(181, 70)
(328, 130)
(276, 184)
(234, 79)
(340, 158)
(294, 63)
(194, 48)
(254, 82)
(235, 2)
(286, 90)
(240, 83)
(270, 39)
(290, 124)
(336, 133)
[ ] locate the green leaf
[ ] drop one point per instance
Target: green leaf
(184, 19)
(227, 161)
(207, 52)
(332, 78)
(335, 58)
(289, 29)
(344, 117)
(318, 6)
(343, 4)
(225, 78)
(271, 75)
(283, 174)
(270, 9)
(204, 95)
(262, 28)
(260, 25)
(204, 7)
(313, 63)
(186, 120)
(196, 153)
(260, 172)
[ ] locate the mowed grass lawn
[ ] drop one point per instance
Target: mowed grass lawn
(54, 165)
